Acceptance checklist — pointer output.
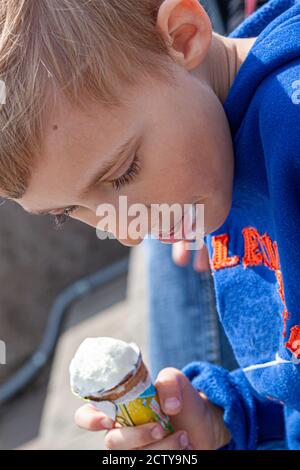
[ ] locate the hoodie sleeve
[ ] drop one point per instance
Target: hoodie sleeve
(250, 419)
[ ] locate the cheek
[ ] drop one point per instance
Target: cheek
(170, 173)
(185, 178)
(179, 170)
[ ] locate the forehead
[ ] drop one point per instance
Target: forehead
(74, 142)
(72, 134)
(70, 129)
(74, 131)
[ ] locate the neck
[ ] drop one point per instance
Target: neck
(223, 62)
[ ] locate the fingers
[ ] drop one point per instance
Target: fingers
(180, 254)
(169, 385)
(201, 262)
(134, 437)
(150, 436)
(87, 417)
(176, 441)
(147, 436)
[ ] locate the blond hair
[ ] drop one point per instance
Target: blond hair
(79, 49)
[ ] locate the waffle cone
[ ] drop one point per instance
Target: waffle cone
(124, 387)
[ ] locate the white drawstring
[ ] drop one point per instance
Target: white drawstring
(277, 361)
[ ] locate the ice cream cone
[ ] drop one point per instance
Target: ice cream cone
(133, 380)
(136, 400)
(133, 397)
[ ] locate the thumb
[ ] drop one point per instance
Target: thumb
(169, 389)
(189, 410)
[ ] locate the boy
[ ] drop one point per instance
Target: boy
(178, 148)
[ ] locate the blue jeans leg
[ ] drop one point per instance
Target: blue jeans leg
(183, 321)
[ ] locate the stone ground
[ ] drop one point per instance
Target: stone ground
(118, 309)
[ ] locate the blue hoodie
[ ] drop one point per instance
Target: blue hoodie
(255, 254)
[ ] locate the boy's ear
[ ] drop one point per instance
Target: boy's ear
(187, 30)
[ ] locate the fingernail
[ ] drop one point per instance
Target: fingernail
(157, 433)
(190, 448)
(172, 404)
(183, 440)
(106, 423)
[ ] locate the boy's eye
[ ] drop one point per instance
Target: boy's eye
(133, 170)
(129, 175)
(61, 219)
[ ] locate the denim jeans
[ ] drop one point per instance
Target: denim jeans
(183, 320)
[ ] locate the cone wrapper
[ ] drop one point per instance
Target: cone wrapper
(134, 401)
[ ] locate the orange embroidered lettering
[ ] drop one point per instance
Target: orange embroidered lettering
(293, 344)
(258, 250)
(270, 252)
(220, 258)
(252, 256)
(285, 313)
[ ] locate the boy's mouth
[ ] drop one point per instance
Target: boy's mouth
(182, 230)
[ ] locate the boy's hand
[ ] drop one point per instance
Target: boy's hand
(198, 423)
(181, 255)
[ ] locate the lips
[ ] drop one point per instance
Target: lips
(171, 234)
(170, 237)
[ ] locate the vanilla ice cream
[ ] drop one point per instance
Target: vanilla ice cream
(100, 364)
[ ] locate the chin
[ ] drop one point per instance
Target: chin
(220, 219)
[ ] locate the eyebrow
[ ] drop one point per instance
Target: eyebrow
(117, 154)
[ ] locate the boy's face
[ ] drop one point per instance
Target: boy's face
(179, 134)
